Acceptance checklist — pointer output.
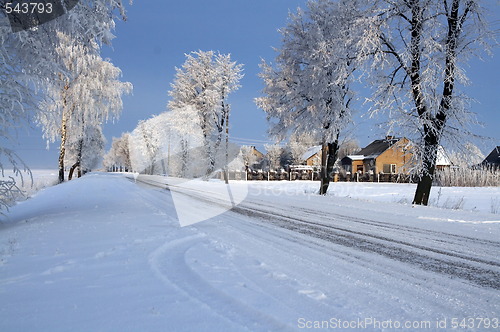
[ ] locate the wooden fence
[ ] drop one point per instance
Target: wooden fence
(313, 174)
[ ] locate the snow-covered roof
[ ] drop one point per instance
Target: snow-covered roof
(356, 157)
(442, 158)
(311, 152)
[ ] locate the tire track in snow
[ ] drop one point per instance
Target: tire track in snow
(391, 248)
(168, 263)
(484, 273)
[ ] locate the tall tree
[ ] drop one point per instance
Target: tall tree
(86, 94)
(85, 153)
(26, 69)
(308, 90)
(202, 87)
(298, 144)
(274, 152)
(119, 154)
(418, 48)
(29, 62)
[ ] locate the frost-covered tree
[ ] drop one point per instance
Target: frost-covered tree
(273, 156)
(200, 92)
(348, 147)
(308, 91)
(157, 147)
(119, 154)
(248, 155)
(29, 61)
(84, 154)
(419, 48)
(87, 93)
(298, 144)
(469, 156)
(146, 142)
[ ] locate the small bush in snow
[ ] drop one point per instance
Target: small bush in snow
(9, 193)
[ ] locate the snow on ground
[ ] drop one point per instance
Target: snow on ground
(104, 253)
(31, 183)
(484, 199)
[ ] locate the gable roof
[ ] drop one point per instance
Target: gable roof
(493, 158)
(311, 152)
(442, 158)
(377, 147)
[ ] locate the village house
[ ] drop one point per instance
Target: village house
(312, 157)
(493, 159)
(389, 156)
(254, 158)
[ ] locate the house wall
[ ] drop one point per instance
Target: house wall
(355, 164)
(394, 155)
(257, 153)
(314, 160)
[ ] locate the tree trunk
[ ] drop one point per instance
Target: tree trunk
(62, 149)
(329, 153)
(325, 181)
(71, 171)
(164, 169)
(425, 182)
(423, 190)
(184, 158)
(433, 131)
(79, 157)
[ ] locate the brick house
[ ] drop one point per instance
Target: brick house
(312, 157)
(388, 156)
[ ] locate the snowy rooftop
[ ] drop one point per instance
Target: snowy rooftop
(311, 152)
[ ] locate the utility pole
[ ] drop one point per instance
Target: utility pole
(226, 168)
(168, 152)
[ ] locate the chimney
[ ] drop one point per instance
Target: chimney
(389, 138)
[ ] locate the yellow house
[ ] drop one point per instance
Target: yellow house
(312, 156)
(256, 153)
(389, 156)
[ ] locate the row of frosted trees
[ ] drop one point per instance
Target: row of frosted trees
(53, 75)
(410, 53)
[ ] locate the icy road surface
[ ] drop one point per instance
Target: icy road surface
(107, 253)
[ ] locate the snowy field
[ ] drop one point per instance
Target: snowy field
(108, 253)
(483, 199)
(37, 180)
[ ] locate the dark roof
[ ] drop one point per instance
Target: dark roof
(376, 148)
(493, 158)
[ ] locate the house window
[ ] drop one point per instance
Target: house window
(389, 168)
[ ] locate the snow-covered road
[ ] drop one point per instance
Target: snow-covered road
(113, 257)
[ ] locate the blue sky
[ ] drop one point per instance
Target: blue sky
(157, 34)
